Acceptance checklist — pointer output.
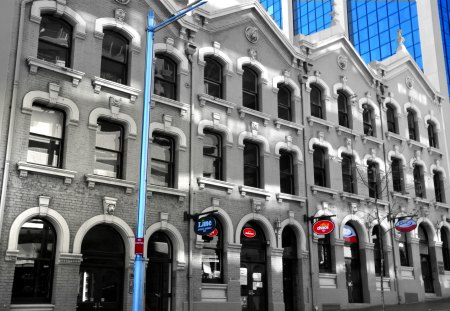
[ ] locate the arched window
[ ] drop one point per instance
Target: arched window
(445, 248)
(252, 173)
(369, 121)
(163, 161)
(412, 125)
(397, 175)
(348, 174)
(419, 181)
(114, 65)
(373, 179)
(55, 41)
(316, 103)
(343, 113)
(213, 78)
(377, 240)
(286, 173)
(33, 275)
(165, 77)
(108, 149)
(439, 190)
(403, 248)
(250, 88)
(212, 255)
(46, 140)
(284, 103)
(432, 135)
(320, 167)
(391, 119)
(212, 155)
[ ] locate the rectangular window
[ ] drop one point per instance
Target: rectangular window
(163, 162)
(348, 175)
(212, 155)
(403, 249)
(114, 57)
(324, 249)
(251, 165)
(419, 182)
(397, 175)
(286, 173)
(45, 145)
(108, 149)
(438, 187)
(368, 122)
(373, 180)
(320, 169)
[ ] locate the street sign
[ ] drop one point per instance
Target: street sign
(139, 246)
(323, 226)
(406, 225)
(249, 233)
(205, 225)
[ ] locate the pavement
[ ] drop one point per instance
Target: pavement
(430, 305)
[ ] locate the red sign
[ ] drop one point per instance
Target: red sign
(249, 232)
(323, 227)
(139, 246)
(406, 225)
(350, 235)
(214, 233)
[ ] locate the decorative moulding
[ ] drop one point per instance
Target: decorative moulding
(32, 307)
(366, 138)
(263, 116)
(342, 129)
(109, 205)
(98, 83)
(313, 120)
(390, 136)
(35, 64)
(279, 122)
(318, 189)
(25, 167)
(170, 102)
(93, 179)
(203, 181)
(70, 259)
(166, 190)
(290, 197)
(413, 143)
(205, 98)
(244, 190)
(432, 150)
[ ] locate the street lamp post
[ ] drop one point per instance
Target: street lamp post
(139, 262)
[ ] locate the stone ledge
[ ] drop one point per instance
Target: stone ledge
(414, 143)
(390, 135)
(204, 98)
(70, 259)
(166, 190)
(290, 197)
(328, 124)
(261, 115)
(170, 102)
(342, 129)
(98, 83)
(25, 167)
(203, 181)
(437, 151)
(93, 179)
(278, 122)
(36, 63)
(32, 307)
(366, 138)
(246, 189)
(315, 189)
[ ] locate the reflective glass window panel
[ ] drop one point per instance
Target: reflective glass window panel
(391, 119)
(212, 255)
(373, 179)
(311, 16)
(412, 129)
(404, 250)
(165, 77)
(439, 194)
(419, 185)
(368, 121)
(108, 149)
(55, 40)
(213, 77)
(397, 175)
(45, 144)
(162, 164)
(377, 240)
(286, 173)
(444, 13)
(284, 103)
(114, 57)
(212, 155)
(251, 165)
(273, 7)
(445, 248)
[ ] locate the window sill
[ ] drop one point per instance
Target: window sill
(315, 189)
(390, 135)
(263, 116)
(203, 181)
(327, 280)
(170, 102)
(421, 200)
(244, 190)
(35, 64)
(348, 195)
(342, 129)
(400, 195)
(290, 197)
(205, 98)
(365, 138)
(413, 143)
(432, 150)
(278, 122)
(407, 272)
(214, 292)
(98, 83)
(442, 205)
(32, 307)
(93, 179)
(377, 201)
(25, 167)
(312, 120)
(166, 190)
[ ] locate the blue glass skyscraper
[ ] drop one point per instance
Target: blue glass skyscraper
(311, 16)
(273, 7)
(444, 14)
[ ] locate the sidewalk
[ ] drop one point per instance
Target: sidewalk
(432, 305)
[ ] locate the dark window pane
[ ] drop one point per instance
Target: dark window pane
(108, 149)
(165, 77)
(403, 249)
(343, 110)
(286, 173)
(316, 102)
(412, 125)
(162, 164)
(445, 248)
(324, 249)
(391, 119)
(284, 103)
(55, 40)
(250, 89)
(419, 184)
(373, 179)
(213, 78)
(319, 167)
(251, 165)
(438, 187)
(114, 57)
(397, 175)
(432, 135)
(368, 122)
(212, 156)
(347, 174)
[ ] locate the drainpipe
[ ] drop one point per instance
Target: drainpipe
(12, 115)
(190, 51)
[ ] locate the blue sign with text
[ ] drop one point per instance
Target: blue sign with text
(205, 225)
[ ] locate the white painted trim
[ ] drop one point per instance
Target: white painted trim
(217, 127)
(385, 226)
(288, 81)
(71, 109)
(225, 220)
(369, 157)
(299, 232)
(294, 148)
(255, 138)
(119, 117)
(394, 154)
(420, 162)
(245, 60)
(413, 107)
(124, 28)
(320, 83)
(214, 52)
(434, 167)
(360, 227)
(323, 143)
(393, 102)
(354, 153)
(170, 130)
(265, 224)
(371, 103)
(429, 227)
(433, 119)
(342, 87)
(180, 58)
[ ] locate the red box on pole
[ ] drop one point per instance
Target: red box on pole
(139, 246)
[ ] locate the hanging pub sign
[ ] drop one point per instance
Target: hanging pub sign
(350, 235)
(205, 225)
(213, 233)
(249, 233)
(406, 225)
(324, 226)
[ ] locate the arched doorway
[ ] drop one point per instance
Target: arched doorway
(425, 262)
(253, 268)
(158, 289)
(102, 270)
(352, 264)
(290, 263)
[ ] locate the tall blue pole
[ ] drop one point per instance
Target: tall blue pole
(139, 261)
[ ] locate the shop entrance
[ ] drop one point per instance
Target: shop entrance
(102, 269)
(352, 265)
(158, 287)
(253, 268)
(290, 262)
(425, 262)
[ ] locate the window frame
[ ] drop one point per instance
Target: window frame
(322, 169)
(120, 153)
(404, 260)
(285, 106)
(219, 250)
(391, 113)
(290, 174)
(397, 175)
(412, 124)
(319, 106)
(439, 189)
(106, 58)
(432, 135)
(344, 115)
(68, 50)
(255, 167)
(373, 184)
(377, 254)
(174, 83)
(253, 93)
(218, 174)
(324, 244)
(348, 176)
(171, 165)
(419, 182)
(61, 140)
(368, 121)
(208, 81)
(445, 248)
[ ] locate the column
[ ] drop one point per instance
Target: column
(275, 279)
(65, 281)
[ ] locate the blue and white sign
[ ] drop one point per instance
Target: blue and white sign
(406, 225)
(205, 225)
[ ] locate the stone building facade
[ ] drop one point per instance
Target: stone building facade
(268, 134)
